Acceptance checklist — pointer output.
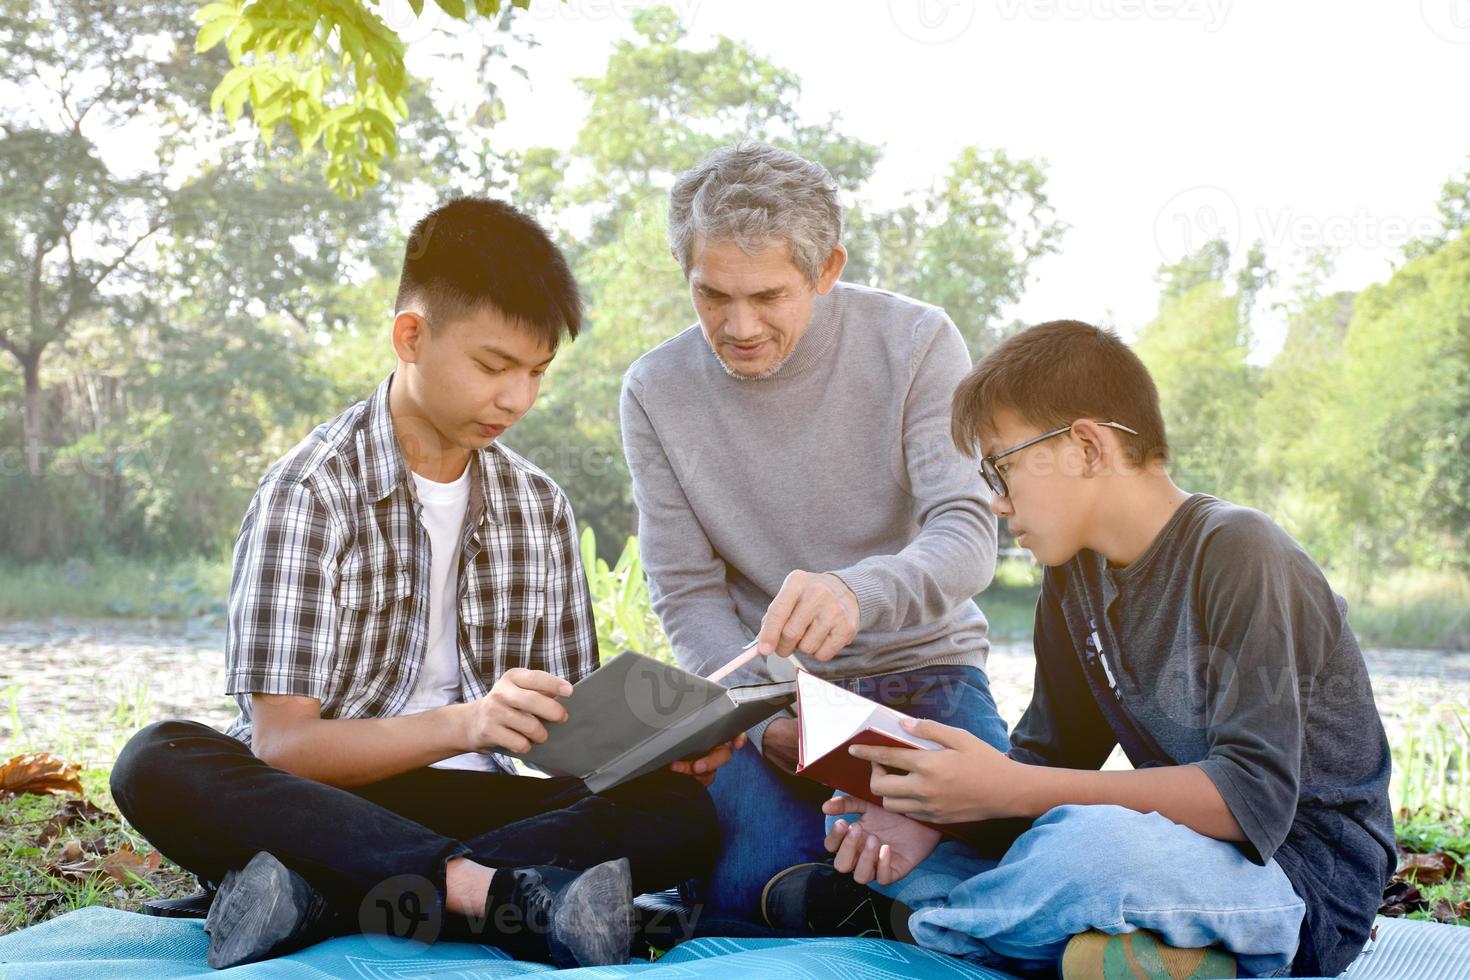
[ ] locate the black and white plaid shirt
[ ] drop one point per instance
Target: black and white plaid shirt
(329, 594)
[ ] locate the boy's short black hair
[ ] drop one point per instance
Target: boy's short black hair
(1055, 373)
(473, 252)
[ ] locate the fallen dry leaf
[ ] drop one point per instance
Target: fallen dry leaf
(1400, 898)
(72, 811)
(39, 773)
(126, 860)
(1443, 912)
(1427, 869)
(74, 864)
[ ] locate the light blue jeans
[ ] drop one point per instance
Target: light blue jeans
(1106, 868)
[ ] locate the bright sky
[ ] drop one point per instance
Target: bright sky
(1301, 122)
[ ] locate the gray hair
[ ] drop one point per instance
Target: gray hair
(756, 196)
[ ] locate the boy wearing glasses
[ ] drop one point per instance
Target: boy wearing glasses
(1254, 831)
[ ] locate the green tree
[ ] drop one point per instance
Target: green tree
(72, 227)
(330, 70)
(660, 108)
(968, 244)
(1296, 389)
(1196, 350)
(1394, 433)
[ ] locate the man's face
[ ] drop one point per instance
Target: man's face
(752, 308)
(473, 376)
(1049, 501)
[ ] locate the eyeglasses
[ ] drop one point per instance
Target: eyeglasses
(992, 474)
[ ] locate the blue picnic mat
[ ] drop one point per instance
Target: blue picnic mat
(107, 943)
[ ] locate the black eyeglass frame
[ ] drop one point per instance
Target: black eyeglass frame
(992, 474)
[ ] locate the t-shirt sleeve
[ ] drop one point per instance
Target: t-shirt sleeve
(1269, 618)
(1062, 726)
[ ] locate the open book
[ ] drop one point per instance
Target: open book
(635, 714)
(831, 718)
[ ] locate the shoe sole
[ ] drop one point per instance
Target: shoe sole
(766, 891)
(594, 919)
(253, 912)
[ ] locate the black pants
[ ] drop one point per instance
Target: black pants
(377, 852)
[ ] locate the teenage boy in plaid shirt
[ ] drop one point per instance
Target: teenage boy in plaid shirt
(407, 600)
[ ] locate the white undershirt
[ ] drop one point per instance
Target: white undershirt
(438, 682)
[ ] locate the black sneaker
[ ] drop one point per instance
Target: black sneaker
(567, 917)
(263, 910)
(819, 899)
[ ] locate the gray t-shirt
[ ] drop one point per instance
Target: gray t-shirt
(1230, 651)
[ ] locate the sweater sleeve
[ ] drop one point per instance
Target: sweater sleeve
(953, 556)
(686, 578)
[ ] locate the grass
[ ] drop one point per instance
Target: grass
(114, 587)
(30, 892)
(1430, 831)
(1415, 609)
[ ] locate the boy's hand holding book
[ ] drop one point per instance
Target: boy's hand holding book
(962, 781)
(515, 712)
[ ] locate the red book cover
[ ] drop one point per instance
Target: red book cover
(829, 719)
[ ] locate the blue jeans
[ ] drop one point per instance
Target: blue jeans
(771, 820)
(1106, 868)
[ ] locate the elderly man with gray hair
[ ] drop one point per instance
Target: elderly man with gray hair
(796, 485)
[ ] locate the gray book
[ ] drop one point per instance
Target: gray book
(635, 714)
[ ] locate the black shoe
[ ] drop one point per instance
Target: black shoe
(260, 911)
(819, 899)
(565, 917)
(191, 907)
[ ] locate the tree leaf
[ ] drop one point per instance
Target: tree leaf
(213, 32)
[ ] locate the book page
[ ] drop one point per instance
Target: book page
(890, 722)
(830, 715)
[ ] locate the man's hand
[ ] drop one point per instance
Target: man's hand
(882, 845)
(510, 717)
(778, 744)
(966, 780)
(814, 613)
(703, 768)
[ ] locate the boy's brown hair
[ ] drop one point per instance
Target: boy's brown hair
(1055, 373)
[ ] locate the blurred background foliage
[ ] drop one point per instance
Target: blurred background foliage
(177, 325)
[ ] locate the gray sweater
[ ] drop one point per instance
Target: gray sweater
(839, 462)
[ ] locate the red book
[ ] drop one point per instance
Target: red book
(829, 719)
